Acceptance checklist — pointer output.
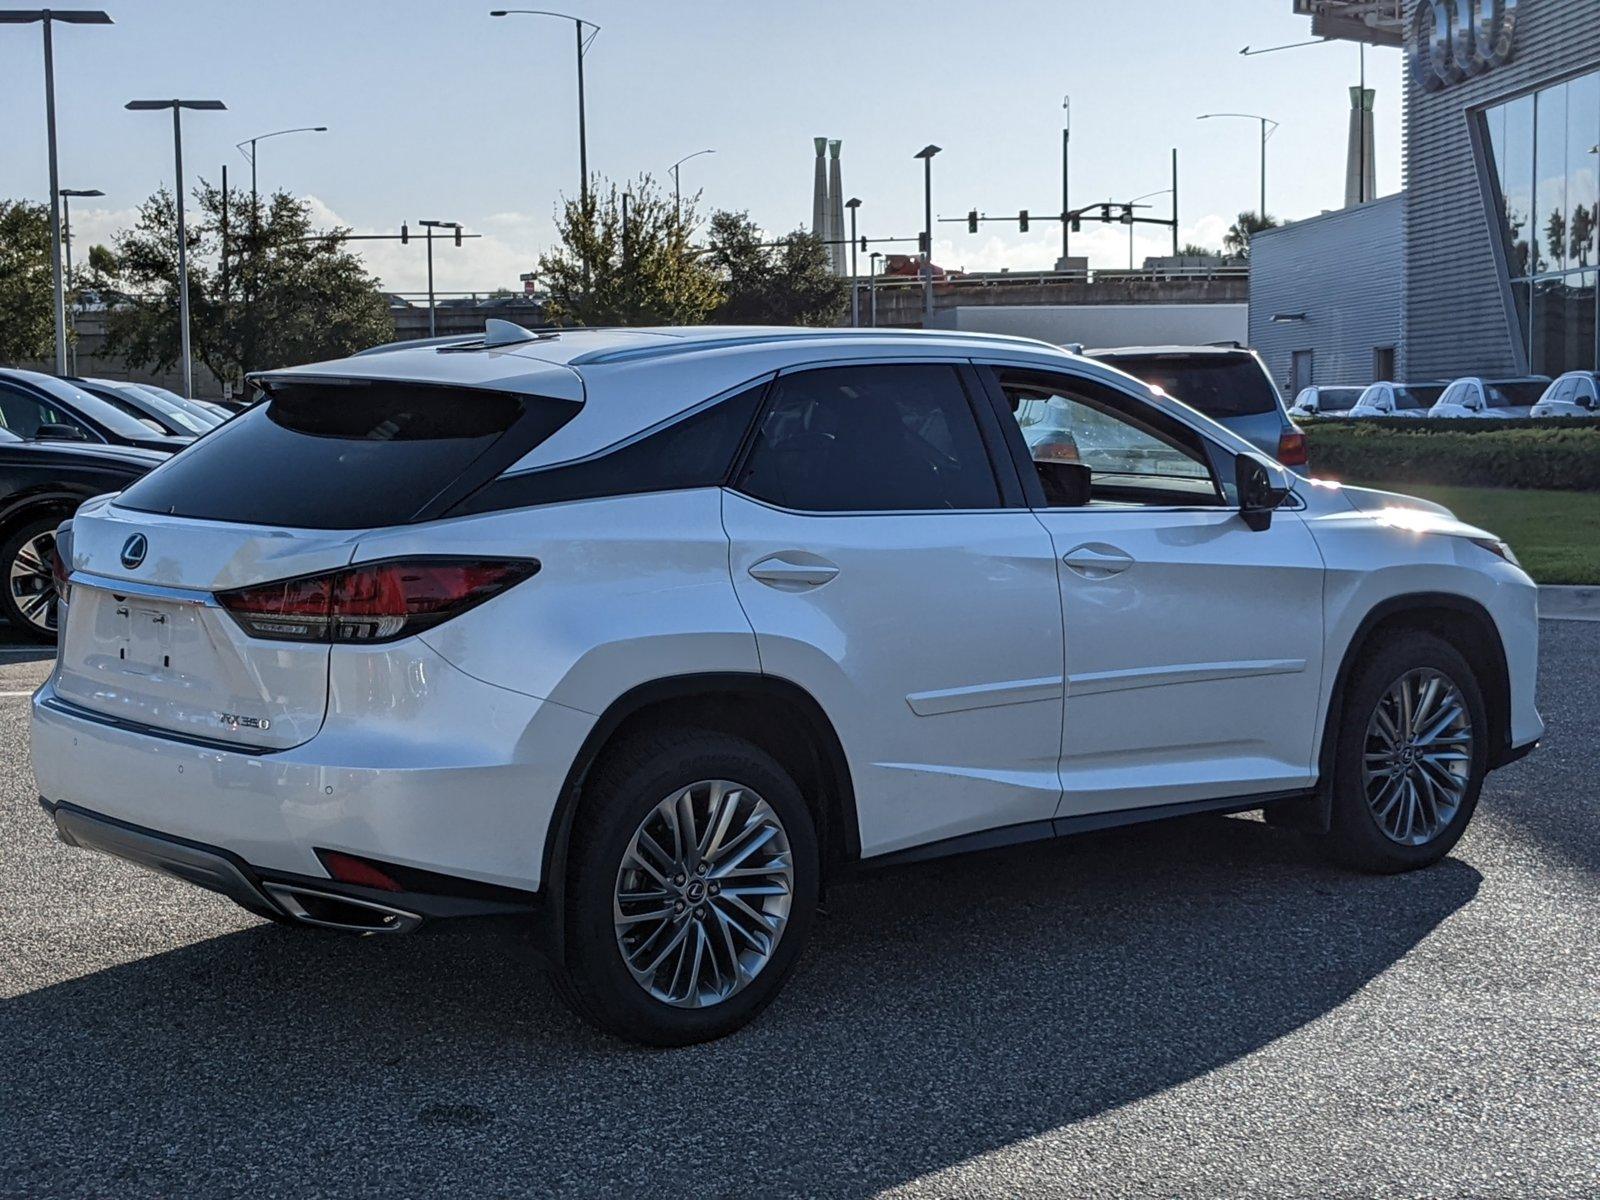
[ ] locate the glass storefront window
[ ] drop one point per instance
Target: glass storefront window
(1546, 166)
(1583, 170)
(1550, 181)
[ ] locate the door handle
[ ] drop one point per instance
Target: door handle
(1096, 560)
(793, 571)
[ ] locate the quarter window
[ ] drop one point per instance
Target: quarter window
(889, 438)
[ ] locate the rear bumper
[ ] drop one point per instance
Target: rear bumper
(310, 901)
(455, 777)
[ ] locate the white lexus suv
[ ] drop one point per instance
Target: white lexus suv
(654, 633)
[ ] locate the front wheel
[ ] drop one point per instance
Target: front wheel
(1412, 754)
(692, 882)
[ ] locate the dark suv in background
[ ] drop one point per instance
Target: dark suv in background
(1229, 384)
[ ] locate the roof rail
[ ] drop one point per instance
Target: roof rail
(690, 344)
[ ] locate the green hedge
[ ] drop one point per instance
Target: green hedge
(1452, 424)
(1542, 455)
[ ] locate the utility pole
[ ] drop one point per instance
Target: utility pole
(1066, 180)
(926, 155)
(855, 285)
(430, 226)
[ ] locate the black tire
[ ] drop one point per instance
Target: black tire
(1356, 837)
(623, 789)
(10, 550)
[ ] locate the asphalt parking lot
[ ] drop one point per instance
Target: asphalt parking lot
(1195, 1009)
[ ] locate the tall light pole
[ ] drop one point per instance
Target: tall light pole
(431, 226)
(926, 155)
(583, 47)
(855, 290)
(872, 288)
(47, 18)
(1268, 128)
(1066, 180)
(676, 203)
(177, 107)
(66, 238)
(1129, 207)
(250, 156)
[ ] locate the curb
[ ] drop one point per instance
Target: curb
(1566, 602)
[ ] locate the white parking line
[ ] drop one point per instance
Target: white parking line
(16, 695)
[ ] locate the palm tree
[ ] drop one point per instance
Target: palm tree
(1236, 242)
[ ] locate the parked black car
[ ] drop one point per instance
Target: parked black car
(41, 484)
(179, 417)
(38, 406)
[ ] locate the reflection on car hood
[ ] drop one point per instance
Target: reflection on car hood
(1318, 493)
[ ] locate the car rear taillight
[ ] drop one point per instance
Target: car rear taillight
(372, 602)
(1292, 448)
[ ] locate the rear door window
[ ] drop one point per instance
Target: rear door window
(884, 438)
(349, 454)
(1219, 385)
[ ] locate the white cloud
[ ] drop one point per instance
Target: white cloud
(1106, 246)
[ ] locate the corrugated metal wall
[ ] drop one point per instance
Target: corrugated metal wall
(1342, 270)
(1455, 317)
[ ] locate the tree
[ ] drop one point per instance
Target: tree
(646, 274)
(1194, 250)
(275, 293)
(27, 321)
(788, 282)
(1236, 242)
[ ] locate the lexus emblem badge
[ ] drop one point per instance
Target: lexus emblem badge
(133, 550)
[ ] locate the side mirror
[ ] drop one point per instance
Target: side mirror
(1258, 495)
(1066, 484)
(50, 431)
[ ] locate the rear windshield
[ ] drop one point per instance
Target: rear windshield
(346, 455)
(1219, 385)
(1337, 399)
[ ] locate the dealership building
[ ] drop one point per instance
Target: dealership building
(1486, 262)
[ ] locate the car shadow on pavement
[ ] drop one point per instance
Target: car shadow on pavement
(942, 1011)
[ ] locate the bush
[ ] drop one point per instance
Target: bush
(1540, 455)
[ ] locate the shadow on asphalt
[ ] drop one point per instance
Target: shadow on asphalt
(942, 1011)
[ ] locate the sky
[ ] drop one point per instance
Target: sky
(436, 110)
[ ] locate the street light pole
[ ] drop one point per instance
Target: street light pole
(926, 155)
(66, 237)
(676, 199)
(1266, 133)
(583, 47)
(47, 18)
(1066, 180)
(872, 288)
(855, 289)
(251, 155)
(430, 226)
(177, 107)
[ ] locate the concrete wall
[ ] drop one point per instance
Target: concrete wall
(1455, 317)
(1343, 271)
(1104, 325)
(900, 305)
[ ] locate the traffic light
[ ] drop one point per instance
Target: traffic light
(458, 235)
(972, 221)
(1077, 223)
(405, 234)
(863, 243)
(1105, 213)
(1022, 221)
(1127, 214)
(922, 243)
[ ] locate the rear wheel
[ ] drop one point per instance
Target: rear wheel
(28, 599)
(692, 882)
(1412, 754)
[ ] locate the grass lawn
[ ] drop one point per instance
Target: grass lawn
(1555, 534)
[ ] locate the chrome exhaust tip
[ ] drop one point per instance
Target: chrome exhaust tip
(331, 911)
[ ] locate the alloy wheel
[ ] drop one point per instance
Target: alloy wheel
(33, 586)
(1418, 756)
(703, 893)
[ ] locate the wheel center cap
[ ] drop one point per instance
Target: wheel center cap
(695, 892)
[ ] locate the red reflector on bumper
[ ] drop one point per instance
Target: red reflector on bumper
(348, 869)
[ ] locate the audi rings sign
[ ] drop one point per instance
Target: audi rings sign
(1452, 40)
